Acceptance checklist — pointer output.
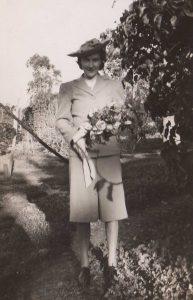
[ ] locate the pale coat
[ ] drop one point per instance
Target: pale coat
(104, 199)
(76, 100)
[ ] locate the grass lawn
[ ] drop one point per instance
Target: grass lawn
(36, 267)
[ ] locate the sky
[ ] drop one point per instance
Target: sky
(48, 27)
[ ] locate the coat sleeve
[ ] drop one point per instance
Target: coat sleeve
(119, 93)
(64, 120)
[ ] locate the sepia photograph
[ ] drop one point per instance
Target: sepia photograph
(96, 150)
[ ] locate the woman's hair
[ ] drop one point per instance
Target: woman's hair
(102, 54)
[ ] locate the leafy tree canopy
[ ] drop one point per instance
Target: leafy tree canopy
(155, 42)
(45, 77)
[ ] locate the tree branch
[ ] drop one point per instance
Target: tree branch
(27, 128)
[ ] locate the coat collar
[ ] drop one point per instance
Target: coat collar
(101, 81)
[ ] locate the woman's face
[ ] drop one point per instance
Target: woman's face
(91, 65)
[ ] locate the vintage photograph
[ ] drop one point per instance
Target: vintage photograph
(96, 149)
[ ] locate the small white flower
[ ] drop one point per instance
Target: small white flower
(116, 125)
(101, 125)
(109, 127)
(98, 132)
(127, 122)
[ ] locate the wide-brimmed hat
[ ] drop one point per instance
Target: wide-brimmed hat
(89, 47)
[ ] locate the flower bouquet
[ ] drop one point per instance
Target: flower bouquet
(102, 124)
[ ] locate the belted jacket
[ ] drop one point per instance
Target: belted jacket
(76, 99)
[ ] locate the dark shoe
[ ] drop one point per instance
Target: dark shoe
(109, 277)
(84, 277)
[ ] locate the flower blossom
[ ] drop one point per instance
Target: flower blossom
(127, 122)
(101, 125)
(109, 127)
(116, 125)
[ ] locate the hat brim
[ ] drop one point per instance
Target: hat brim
(96, 49)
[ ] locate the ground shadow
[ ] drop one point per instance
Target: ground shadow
(33, 219)
(156, 208)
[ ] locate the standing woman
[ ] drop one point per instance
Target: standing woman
(104, 197)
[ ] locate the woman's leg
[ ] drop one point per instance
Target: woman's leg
(112, 238)
(83, 230)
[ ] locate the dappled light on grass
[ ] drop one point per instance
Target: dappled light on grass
(27, 215)
(155, 241)
(29, 174)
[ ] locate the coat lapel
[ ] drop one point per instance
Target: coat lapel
(100, 83)
(81, 84)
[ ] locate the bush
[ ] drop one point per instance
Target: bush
(147, 272)
(7, 133)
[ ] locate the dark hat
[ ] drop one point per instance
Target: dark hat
(90, 47)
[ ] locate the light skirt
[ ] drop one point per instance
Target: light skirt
(104, 199)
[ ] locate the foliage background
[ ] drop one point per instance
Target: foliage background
(154, 42)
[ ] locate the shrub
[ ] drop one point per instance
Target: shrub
(147, 272)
